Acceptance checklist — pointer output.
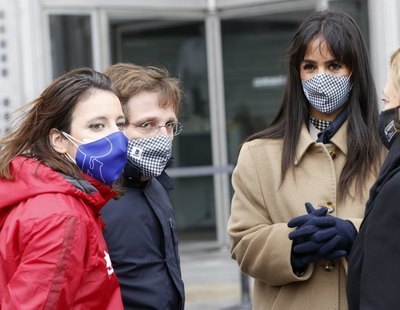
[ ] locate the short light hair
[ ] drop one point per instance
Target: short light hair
(395, 68)
(129, 80)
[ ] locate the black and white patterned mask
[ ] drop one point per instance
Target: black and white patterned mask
(150, 155)
(327, 93)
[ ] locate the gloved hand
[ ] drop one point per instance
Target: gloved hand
(300, 261)
(312, 216)
(330, 232)
(305, 225)
(303, 250)
(311, 212)
(319, 236)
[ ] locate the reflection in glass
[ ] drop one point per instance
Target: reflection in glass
(71, 47)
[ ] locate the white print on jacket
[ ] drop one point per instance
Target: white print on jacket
(110, 269)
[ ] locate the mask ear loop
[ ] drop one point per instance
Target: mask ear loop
(69, 157)
(70, 139)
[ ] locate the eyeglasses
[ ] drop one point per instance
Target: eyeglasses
(173, 128)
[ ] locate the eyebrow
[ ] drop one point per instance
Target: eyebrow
(153, 119)
(328, 61)
(103, 118)
(99, 118)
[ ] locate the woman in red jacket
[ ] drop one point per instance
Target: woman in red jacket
(57, 170)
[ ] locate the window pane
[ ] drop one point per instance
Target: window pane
(193, 201)
(179, 47)
(358, 9)
(253, 52)
(71, 47)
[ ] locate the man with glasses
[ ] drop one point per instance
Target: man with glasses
(140, 228)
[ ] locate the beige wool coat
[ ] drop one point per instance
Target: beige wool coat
(261, 208)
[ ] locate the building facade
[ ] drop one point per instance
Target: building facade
(228, 53)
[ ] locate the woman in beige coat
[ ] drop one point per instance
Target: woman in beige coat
(322, 148)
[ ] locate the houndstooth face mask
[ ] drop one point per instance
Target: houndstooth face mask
(327, 93)
(150, 155)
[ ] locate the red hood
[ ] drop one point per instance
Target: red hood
(32, 178)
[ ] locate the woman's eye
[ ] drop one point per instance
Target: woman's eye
(96, 126)
(121, 125)
(308, 67)
(335, 66)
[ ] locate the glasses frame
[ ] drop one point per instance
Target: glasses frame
(155, 129)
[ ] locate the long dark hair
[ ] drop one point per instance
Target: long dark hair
(52, 109)
(347, 45)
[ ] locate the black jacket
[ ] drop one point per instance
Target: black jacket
(143, 244)
(374, 273)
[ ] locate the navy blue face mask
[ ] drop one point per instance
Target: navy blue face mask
(102, 159)
(388, 126)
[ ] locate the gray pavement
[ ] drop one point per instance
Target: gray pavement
(212, 281)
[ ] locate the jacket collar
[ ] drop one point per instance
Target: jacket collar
(340, 138)
(32, 178)
(132, 176)
(305, 141)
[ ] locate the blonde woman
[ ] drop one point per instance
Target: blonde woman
(373, 273)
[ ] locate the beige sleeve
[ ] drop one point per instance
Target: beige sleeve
(261, 248)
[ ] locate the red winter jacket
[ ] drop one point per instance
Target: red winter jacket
(52, 251)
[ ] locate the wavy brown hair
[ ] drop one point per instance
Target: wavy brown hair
(52, 109)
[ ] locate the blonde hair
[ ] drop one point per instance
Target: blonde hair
(395, 69)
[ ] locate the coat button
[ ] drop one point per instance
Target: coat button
(328, 265)
(332, 153)
(330, 206)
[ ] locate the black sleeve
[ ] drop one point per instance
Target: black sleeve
(380, 271)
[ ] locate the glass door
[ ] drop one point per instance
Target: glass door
(71, 42)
